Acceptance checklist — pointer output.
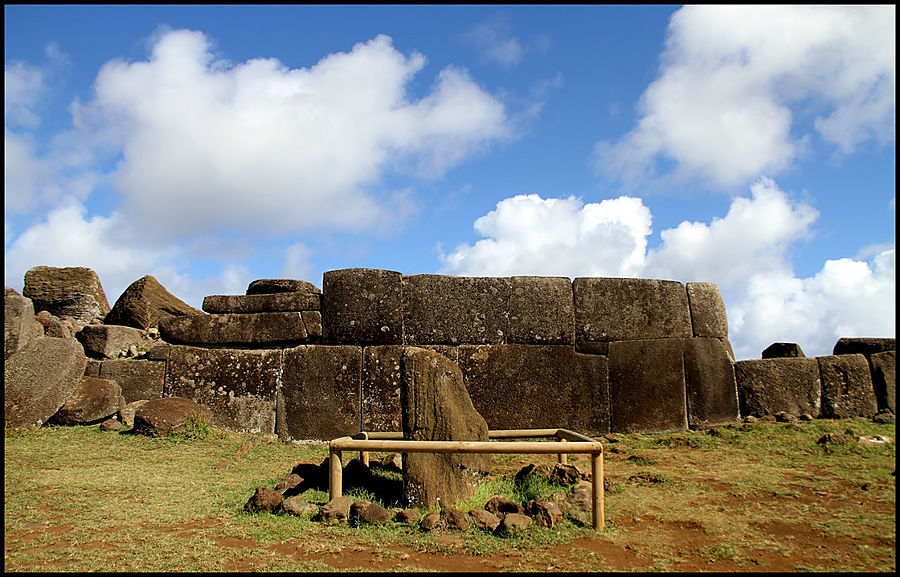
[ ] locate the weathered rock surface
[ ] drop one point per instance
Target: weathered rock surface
(884, 379)
(708, 318)
(107, 341)
(144, 302)
(541, 311)
(499, 507)
(863, 345)
(260, 329)
(710, 386)
(19, 324)
(782, 350)
(138, 378)
(281, 285)
(126, 413)
(621, 309)
(513, 523)
(238, 386)
(92, 401)
(298, 507)
(544, 512)
(646, 386)
(362, 306)
(336, 510)
(263, 303)
(767, 386)
(484, 520)
(367, 513)
(436, 407)
(39, 378)
(168, 415)
(68, 291)
(846, 387)
(537, 386)
(264, 500)
(451, 310)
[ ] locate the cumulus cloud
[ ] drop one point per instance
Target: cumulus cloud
(257, 146)
(744, 252)
(721, 108)
(495, 42)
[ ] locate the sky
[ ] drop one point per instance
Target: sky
(210, 146)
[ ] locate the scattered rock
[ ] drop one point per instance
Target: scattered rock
(298, 507)
(110, 424)
(92, 401)
(513, 523)
(484, 520)
(289, 482)
(431, 522)
(500, 507)
(336, 510)
(20, 325)
(544, 512)
(454, 519)
(126, 413)
(785, 417)
(264, 500)
(407, 515)
(164, 416)
(566, 475)
(367, 513)
(832, 439)
(884, 418)
(531, 470)
(874, 440)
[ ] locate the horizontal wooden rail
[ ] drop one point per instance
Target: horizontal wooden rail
(569, 442)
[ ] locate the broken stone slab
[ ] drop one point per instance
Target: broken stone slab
(270, 329)
(541, 311)
(846, 387)
(436, 407)
(710, 385)
(455, 310)
(144, 302)
(92, 401)
(159, 417)
(138, 378)
(312, 322)
(107, 341)
(263, 303)
(768, 386)
(884, 379)
(621, 309)
(319, 395)
(281, 285)
(126, 413)
(238, 386)
(362, 306)
(19, 324)
(537, 386)
(67, 291)
(39, 379)
(647, 386)
(782, 350)
(708, 317)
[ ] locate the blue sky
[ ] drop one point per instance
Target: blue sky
(752, 147)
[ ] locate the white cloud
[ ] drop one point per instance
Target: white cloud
(22, 86)
(256, 146)
(297, 263)
(734, 79)
(744, 253)
(495, 43)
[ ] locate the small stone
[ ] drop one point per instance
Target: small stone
(407, 515)
(884, 418)
(367, 513)
(512, 524)
(500, 506)
(298, 507)
(110, 425)
(288, 483)
(454, 519)
(484, 520)
(265, 500)
(785, 417)
(430, 522)
(335, 511)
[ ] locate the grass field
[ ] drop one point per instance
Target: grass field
(760, 497)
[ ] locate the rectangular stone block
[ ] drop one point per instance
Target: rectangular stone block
(239, 386)
(769, 386)
(263, 303)
(139, 379)
(708, 318)
(361, 306)
(312, 322)
(541, 311)
(107, 341)
(455, 310)
(320, 392)
(622, 309)
(647, 386)
(270, 329)
(537, 386)
(846, 387)
(710, 387)
(884, 379)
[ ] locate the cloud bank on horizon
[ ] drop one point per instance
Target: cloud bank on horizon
(260, 150)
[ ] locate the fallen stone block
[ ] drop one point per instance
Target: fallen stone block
(92, 401)
(144, 302)
(846, 387)
(782, 350)
(768, 386)
(68, 291)
(264, 500)
(362, 306)
(281, 285)
(159, 417)
(863, 345)
(269, 329)
(263, 303)
(708, 318)
(541, 311)
(138, 378)
(884, 380)
(19, 324)
(107, 341)
(710, 386)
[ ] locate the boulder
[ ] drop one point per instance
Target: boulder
(298, 507)
(436, 407)
(512, 524)
(144, 302)
(257, 329)
(362, 306)
(281, 285)
(92, 401)
(40, 378)
(541, 311)
(69, 291)
(768, 386)
(454, 310)
(500, 507)
(336, 510)
(708, 318)
(138, 378)
(709, 382)
(288, 483)
(159, 417)
(454, 519)
(863, 345)
(484, 520)
(367, 513)
(846, 387)
(126, 413)
(884, 379)
(107, 341)
(19, 324)
(544, 512)
(263, 303)
(264, 500)
(565, 475)
(782, 350)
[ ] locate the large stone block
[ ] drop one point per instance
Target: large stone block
(68, 291)
(711, 390)
(436, 407)
(238, 386)
(319, 396)
(537, 387)
(884, 379)
(160, 417)
(541, 311)
(455, 310)
(281, 285)
(107, 341)
(782, 350)
(261, 329)
(39, 379)
(144, 302)
(769, 386)
(846, 387)
(263, 303)
(138, 378)
(863, 345)
(361, 306)
(621, 309)
(92, 401)
(19, 324)
(647, 386)
(708, 318)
